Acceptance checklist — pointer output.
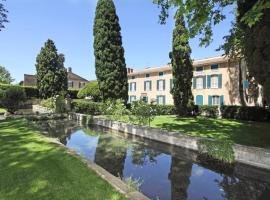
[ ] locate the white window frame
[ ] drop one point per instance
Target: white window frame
(215, 100)
(160, 85)
(132, 87)
(147, 85)
(214, 82)
(160, 100)
(199, 83)
(132, 98)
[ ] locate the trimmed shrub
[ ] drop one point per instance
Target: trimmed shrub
(12, 98)
(142, 112)
(48, 103)
(252, 113)
(209, 111)
(30, 92)
(86, 107)
(72, 94)
(163, 109)
(91, 89)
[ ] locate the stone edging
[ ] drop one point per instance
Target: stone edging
(117, 183)
(254, 156)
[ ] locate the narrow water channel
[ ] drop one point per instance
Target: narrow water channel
(164, 172)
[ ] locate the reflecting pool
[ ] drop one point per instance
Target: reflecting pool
(165, 172)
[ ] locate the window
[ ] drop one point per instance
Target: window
(199, 83)
(147, 85)
(70, 84)
(132, 87)
(132, 98)
(199, 69)
(214, 67)
(171, 84)
(214, 81)
(215, 100)
(133, 77)
(160, 85)
(161, 100)
(145, 99)
(147, 75)
(161, 73)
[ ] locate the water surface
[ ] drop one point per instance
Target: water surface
(165, 172)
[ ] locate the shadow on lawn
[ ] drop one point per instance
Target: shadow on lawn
(245, 133)
(31, 168)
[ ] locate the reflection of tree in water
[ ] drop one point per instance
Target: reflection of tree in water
(111, 154)
(179, 176)
(141, 155)
(243, 189)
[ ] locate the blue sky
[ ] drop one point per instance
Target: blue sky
(70, 22)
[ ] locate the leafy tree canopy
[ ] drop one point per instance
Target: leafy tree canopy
(3, 15)
(203, 14)
(5, 77)
(91, 89)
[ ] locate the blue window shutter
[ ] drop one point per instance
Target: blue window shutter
(221, 100)
(199, 100)
(164, 86)
(150, 83)
(220, 81)
(171, 84)
(135, 86)
(208, 81)
(164, 100)
(144, 85)
(204, 82)
(210, 100)
(129, 86)
(146, 99)
(157, 100)
(194, 82)
(157, 84)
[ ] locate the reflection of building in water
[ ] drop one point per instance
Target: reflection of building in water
(179, 176)
(111, 154)
(244, 189)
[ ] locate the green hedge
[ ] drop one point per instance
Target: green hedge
(31, 92)
(163, 109)
(86, 107)
(209, 111)
(245, 113)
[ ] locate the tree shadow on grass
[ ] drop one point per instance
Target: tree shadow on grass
(32, 168)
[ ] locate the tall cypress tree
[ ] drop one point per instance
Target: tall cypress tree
(51, 73)
(182, 68)
(110, 63)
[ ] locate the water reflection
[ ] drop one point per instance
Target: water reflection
(168, 173)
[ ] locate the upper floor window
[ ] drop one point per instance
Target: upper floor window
(147, 85)
(199, 69)
(132, 87)
(133, 77)
(147, 75)
(214, 82)
(214, 67)
(160, 85)
(161, 73)
(199, 83)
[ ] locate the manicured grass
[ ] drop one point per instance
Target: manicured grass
(240, 132)
(2, 111)
(33, 168)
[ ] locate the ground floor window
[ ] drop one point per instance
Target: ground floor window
(132, 98)
(215, 100)
(161, 100)
(145, 99)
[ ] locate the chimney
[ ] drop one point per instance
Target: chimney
(69, 69)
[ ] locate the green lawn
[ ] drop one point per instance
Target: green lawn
(33, 168)
(2, 111)
(240, 132)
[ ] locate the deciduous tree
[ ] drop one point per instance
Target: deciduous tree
(5, 77)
